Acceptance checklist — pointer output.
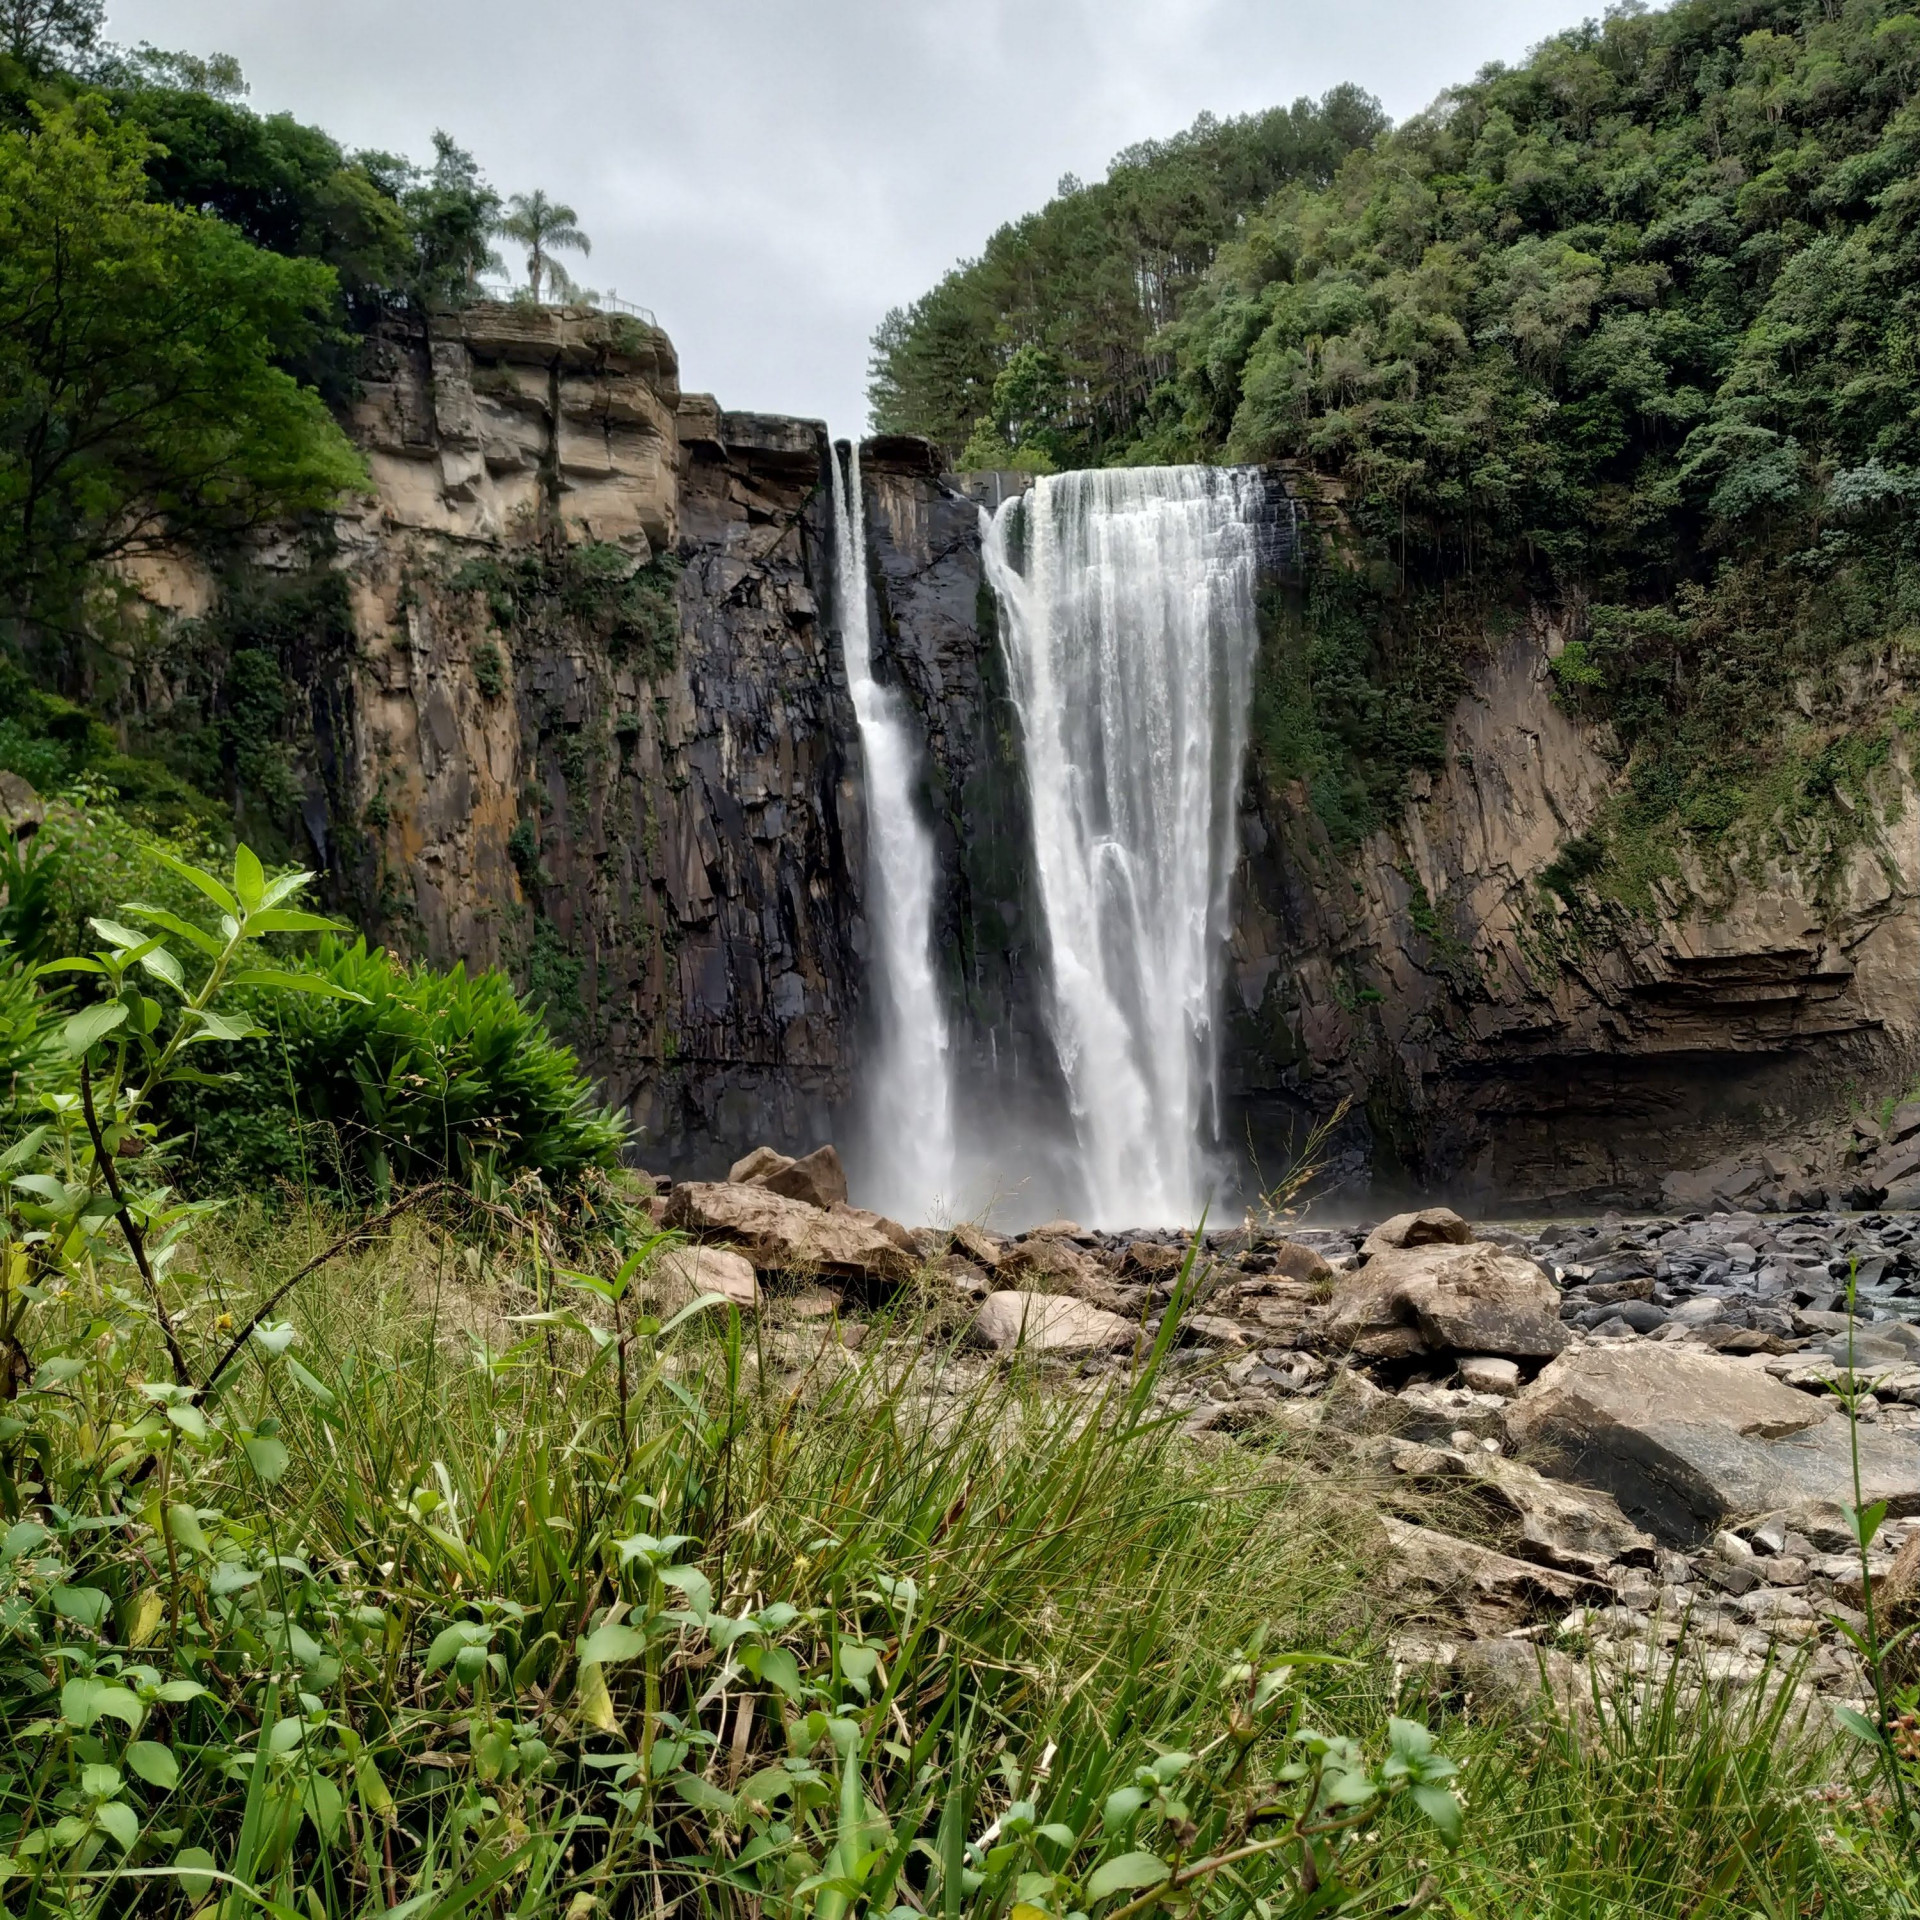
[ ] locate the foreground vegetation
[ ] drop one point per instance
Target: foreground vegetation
(441, 1561)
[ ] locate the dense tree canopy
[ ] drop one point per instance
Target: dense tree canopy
(1048, 346)
(1631, 330)
(141, 397)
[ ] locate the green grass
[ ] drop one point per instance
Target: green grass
(912, 1593)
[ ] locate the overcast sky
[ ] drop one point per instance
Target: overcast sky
(769, 176)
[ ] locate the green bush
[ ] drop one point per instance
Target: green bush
(429, 1074)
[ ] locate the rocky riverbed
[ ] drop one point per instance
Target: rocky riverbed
(1637, 1416)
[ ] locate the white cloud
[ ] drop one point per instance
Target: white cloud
(771, 175)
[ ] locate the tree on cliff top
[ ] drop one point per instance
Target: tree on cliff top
(142, 398)
(39, 31)
(542, 226)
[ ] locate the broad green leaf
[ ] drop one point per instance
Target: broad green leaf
(284, 888)
(92, 1024)
(778, 1668)
(452, 1640)
(596, 1704)
(1857, 1724)
(163, 966)
(85, 1699)
(249, 877)
(86, 1605)
(266, 1455)
(116, 935)
(702, 1793)
(217, 1026)
(120, 1820)
(1122, 1804)
(293, 920)
(196, 1868)
(153, 1762)
(72, 965)
(99, 1781)
(194, 877)
(181, 929)
(305, 1381)
(174, 1691)
(1409, 1740)
(189, 1419)
(275, 1339)
(1442, 1809)
(285, 982)
(184, 1524)
(373, 1790)
(605, 1645)
(22, 1537)
(694, 1584)
(23, 1149)
(1127, 1873)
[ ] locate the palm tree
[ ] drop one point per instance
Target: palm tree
(542, 225)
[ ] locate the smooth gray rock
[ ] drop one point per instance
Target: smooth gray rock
(1447, 1298)
(1048, 1323)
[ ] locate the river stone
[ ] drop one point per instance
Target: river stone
(681, 1274)
(1689, 1442)
(1431, 1226)
(1579, 1529)
(1489, 1373)
(1052, 1264)
(783, 1235)
(1447, 1298)
(1299, 1263)
(1048, 1323)
(984, 1249)
(818, 1179)
(1475, 1580)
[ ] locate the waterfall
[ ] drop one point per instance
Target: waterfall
(907, 1091)
(1128, 621)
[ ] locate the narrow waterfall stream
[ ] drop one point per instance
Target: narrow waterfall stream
(1128, 619)
(907, 1090)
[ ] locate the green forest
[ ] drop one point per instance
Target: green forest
(1627, 331)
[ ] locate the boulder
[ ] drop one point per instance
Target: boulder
(1579, 1529)
(1474, 1579)
(981, 1247)
(1300, 1263)
(1430, 1227)
(1051, 1264)
(1150, 1260)
(1488, 1373)
(818, 1179)
(902, 1237)
(1442, 1297)
(783, 1235)
(1518, 1680)
(1689, 1442)
(1048, 1323)
(681, 1274)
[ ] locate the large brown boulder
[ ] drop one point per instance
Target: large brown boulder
(783, 1235)
(679, 1275)
(1430, 1227)
(1048, 1323)
(1689, 1442)
(1444, 1298)
(819, 1179)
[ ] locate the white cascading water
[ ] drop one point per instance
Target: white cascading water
(1129, 623)
(908, 1087)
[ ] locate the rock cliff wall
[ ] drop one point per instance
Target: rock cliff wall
(583, 715)
(593, 725)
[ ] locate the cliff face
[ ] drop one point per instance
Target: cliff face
(593, 726)
(584, 716)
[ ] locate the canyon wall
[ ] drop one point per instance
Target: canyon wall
(586, 719)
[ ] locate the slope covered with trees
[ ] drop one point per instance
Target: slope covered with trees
(1047, 350)
(1628, 331)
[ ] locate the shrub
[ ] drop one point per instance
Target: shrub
(427, 1074)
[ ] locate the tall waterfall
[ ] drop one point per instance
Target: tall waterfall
(1128, 619)
(908, 1087)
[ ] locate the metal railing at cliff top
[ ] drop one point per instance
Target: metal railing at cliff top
(608, 302)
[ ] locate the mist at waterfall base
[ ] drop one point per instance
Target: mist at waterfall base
(1128, 627)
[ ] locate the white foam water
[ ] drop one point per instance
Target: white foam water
(1128, 601)
(907, 1084)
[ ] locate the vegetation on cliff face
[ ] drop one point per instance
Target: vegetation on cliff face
(1628, 331)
